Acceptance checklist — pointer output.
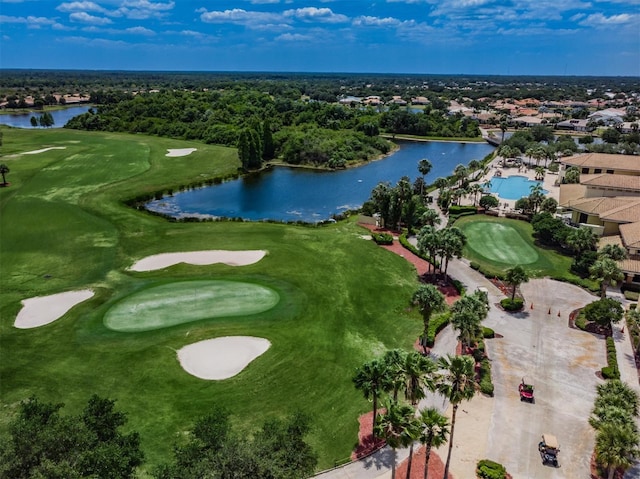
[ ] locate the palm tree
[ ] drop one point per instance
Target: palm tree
(607, 272)
(398, 426)
(617, 393)
(394, 363)
(616, 446)
(372, 379)
(614, 252)
(429, 300)
(4, 169)
(424, 167)
(434, 429)
(456, 384)
(460, 173)
(608, 414)
(539, 173)
(431, 217)
(418, 376)
(515, 277)
(581, 239)
(452, 240)
(474, 189)
(468, 324)
(535, 196)
(428, 241)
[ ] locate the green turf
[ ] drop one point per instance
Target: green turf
(64, 226)
(187, 301)
(497, 244)
(500, 243)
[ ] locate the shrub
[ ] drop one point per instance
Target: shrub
(474, 265)
(459, 287)
(611, 371)
(512, 305)
(580, 321)
(486, 385)
(436, 325)
(382, 238)
(478, 355)
(487, 469)
(631, 295)
(488, 333)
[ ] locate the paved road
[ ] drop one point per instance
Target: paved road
(559, 361)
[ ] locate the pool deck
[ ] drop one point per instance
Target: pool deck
(549, 182)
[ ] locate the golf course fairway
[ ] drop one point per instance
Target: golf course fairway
(187, 301)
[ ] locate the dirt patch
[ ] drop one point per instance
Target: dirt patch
(368, 445)
(436, 466)
(366, 442)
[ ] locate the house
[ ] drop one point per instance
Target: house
(574, 125)
(594, 163)
(607, 200)
(608, 117)
(420, 100)
(529, 121)
(397, 100)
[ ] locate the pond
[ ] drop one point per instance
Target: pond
(296, 194)
(60, 117)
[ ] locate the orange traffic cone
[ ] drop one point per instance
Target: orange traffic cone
(531, 307)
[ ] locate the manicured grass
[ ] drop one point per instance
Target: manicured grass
(498, 244)
(64, 226)
(188, 301)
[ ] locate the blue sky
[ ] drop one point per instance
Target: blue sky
(520, 37)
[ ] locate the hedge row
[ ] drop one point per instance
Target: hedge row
(436, 325)
(486, 385)
(611, 371)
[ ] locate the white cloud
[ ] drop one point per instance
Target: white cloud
(140, 31)
(84, 17)
(239, 16)
(376, 21)
(600, 20)
(68, 7)
(313, 14)
(294, 37)
(30, 20)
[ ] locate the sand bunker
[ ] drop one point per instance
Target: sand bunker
(221, 358)
(43, 310)
(35, 152)
(231, 258)
(180, 151)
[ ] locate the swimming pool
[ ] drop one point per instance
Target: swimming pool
(513, 187)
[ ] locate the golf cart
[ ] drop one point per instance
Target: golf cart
(526, 391)
(549, 449)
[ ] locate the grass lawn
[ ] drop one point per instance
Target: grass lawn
(497, 244)
(64, 226)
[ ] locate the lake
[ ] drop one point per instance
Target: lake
(295, 194)
(60, 117)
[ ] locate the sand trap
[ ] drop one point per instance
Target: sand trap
(221, 358)
(232, 258)
(43, 310)
(180, 151)
(35, 152)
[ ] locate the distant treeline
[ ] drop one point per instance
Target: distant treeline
(264, 125)
(322, 86)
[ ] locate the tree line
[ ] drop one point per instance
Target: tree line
(42, 442)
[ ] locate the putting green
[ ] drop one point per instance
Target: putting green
(499, 242)
(187, 301)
